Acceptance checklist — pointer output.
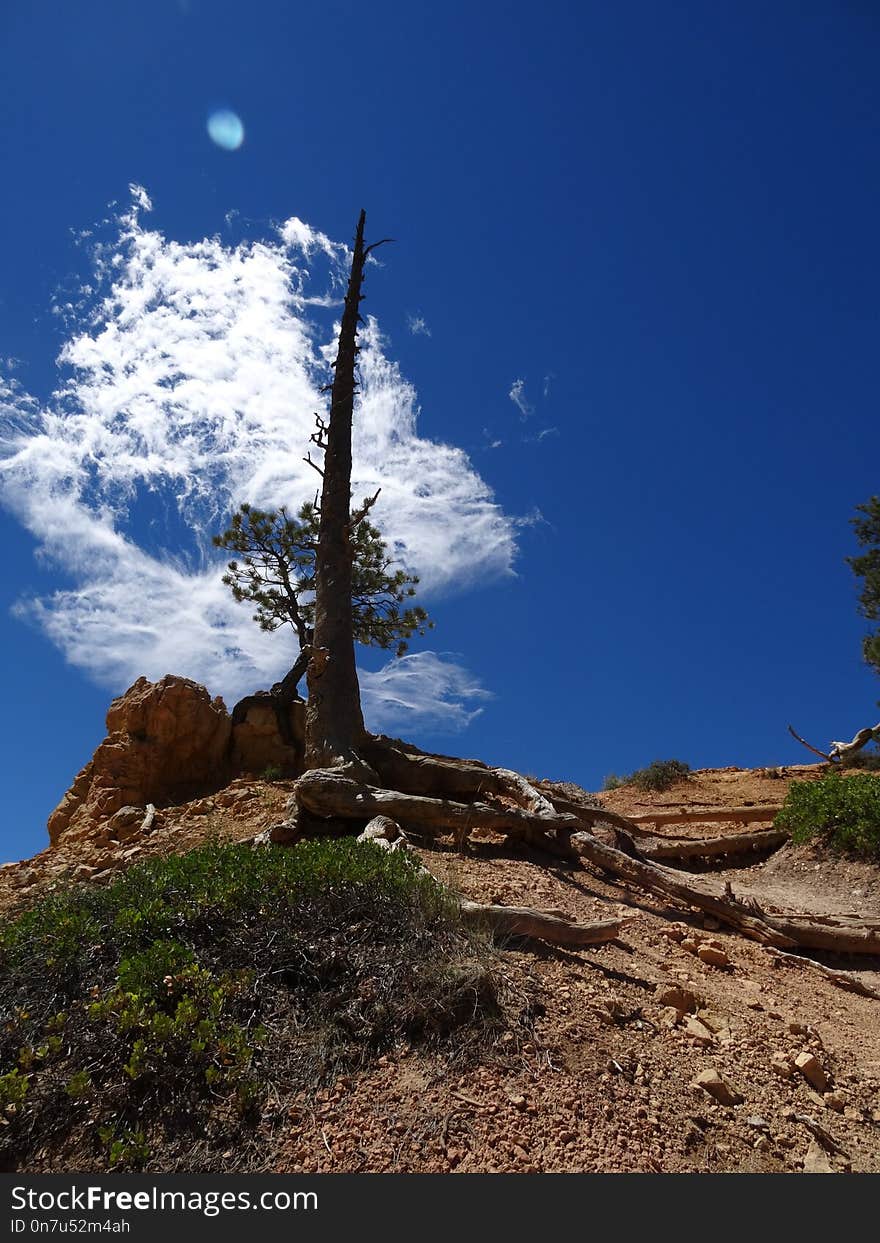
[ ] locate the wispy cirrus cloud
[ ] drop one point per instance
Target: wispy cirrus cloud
(517, 395)
(191, 376)
(417, 326)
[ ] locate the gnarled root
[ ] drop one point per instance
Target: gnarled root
(533, 820)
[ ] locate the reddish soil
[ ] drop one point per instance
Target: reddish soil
(602, 1076)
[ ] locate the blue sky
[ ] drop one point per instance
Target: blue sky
(622, 382)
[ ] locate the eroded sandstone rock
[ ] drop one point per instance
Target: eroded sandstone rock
(168, 742)
(165, 741)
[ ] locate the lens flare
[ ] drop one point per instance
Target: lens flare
(226, 129)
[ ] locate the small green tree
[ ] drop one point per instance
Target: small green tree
(277, 574)
(867, 567)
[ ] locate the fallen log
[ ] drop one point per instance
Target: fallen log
(710, 847)
(842, 935)
(652, 846)
(668, 883)
(524, 921)
(708, 815)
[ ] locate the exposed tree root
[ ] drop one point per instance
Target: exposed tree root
(334, 793)
(328, 792)
(849, 981)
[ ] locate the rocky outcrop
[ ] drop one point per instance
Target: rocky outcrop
(260, 740)
(168, 741)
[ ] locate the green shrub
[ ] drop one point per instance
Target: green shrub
(657, 776)
(194, 984)
(866, 761)
(842, 811)
(271, 773)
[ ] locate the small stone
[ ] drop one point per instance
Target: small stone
(690, 945)
(833, 1101)
(711, 1082)
(762, 1143)
(853, 1114)
(760, 1124)
(682, 999)
(697, 1032)
(816, 1160)
(713, 956)
(518, 1102)
(798, 1029)
(718, 1024)
(674, 932)
(809, 1066)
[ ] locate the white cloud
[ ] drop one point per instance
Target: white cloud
(298, 235)
(191, 387)
(417, 326)
(423, 686)
(517, 395)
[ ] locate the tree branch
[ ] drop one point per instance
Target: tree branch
(360, 514)
(804, 743)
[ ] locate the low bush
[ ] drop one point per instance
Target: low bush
(867, 760)
(659, 775)
(843, 812)
(147, 1022)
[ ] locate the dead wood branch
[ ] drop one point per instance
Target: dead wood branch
(842, 752)
(840, 934)
(524, 921)
(806, 744)
(849, 981)
(360, 514)
(708, 815)
(652, 846)
(668, 883)
(711, 847)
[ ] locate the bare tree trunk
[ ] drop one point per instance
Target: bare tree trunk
(334, 721)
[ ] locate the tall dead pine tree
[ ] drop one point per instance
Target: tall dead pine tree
(334, 721)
